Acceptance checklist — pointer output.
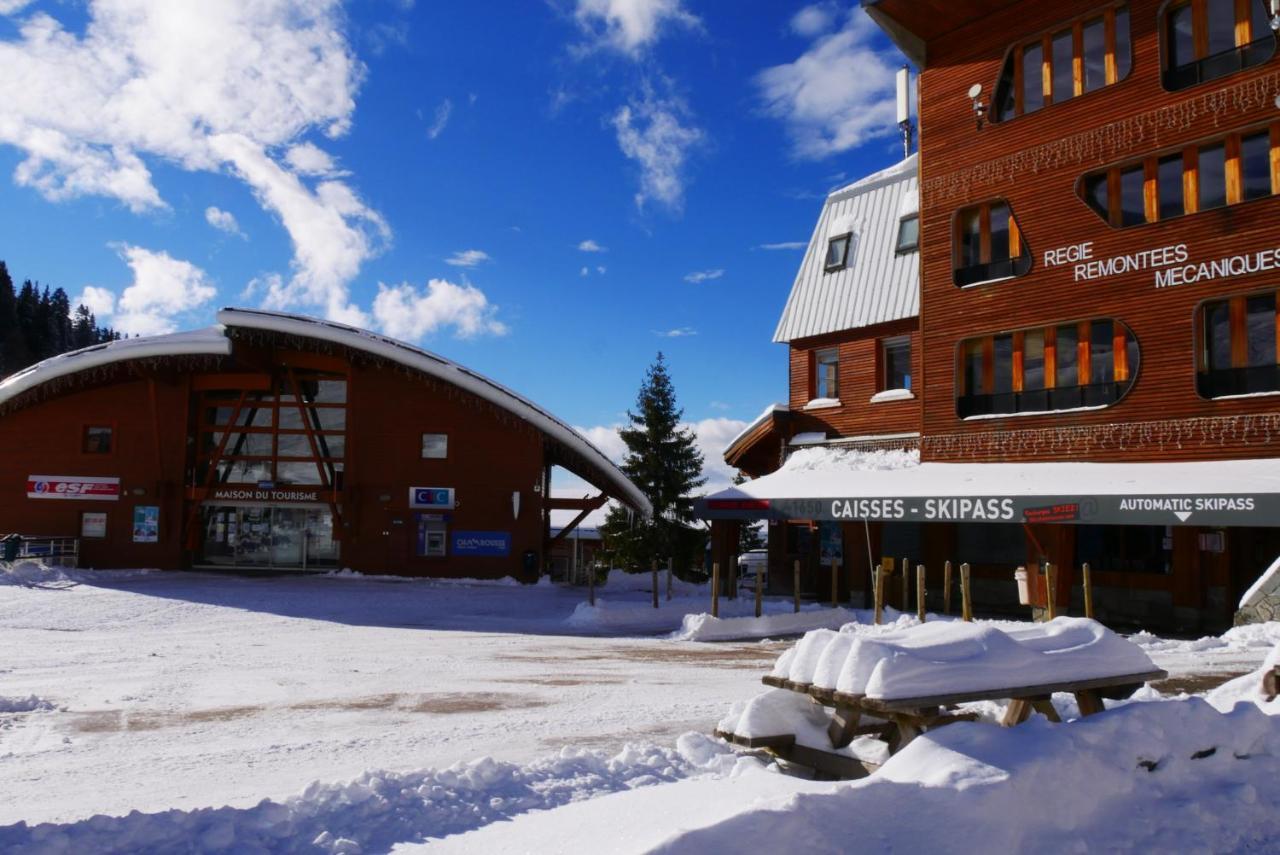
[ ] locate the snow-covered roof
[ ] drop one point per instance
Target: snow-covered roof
(617, 484)
(214, 341)
(755, 423)
(877, 285)
(210, 341)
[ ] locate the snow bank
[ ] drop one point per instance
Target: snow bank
(620, 580)
(380, 809)
(463, 582)
(28, 573)
(31, 703)
(704, 627)
(943, 657)
(1250, 637)
(778, 712)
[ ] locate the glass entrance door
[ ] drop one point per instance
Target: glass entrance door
(268, 537)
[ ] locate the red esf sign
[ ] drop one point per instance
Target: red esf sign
(82, 487)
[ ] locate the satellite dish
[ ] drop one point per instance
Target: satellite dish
(975, 91)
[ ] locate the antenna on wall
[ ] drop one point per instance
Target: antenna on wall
(904, 108)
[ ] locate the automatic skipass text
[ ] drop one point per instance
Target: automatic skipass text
(927, 509)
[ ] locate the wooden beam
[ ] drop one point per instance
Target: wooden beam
(1191, 179)
(564, 532)
(1051, 358)
(1275, 158)
(1077, 58)
(1235, 177)
(1109, 37)
(586, 503)
(1151, 189)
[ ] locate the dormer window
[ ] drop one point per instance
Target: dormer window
(838, 252)
(908, 234)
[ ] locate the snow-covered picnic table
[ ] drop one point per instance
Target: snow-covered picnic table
(898, 684)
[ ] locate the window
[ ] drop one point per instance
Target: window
(1208, 39)
(838, 252)
(908, 234)
(826, 380)
(1125, 548)
(989, 245)
(1083, 364)
(896, 359)
(96, 440)
(1070, 60)
(1238, 346)
(1239, 167)
(435, 446)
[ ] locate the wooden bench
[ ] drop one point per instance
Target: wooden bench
(901, 720)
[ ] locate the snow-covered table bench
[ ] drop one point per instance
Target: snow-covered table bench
(899, 684)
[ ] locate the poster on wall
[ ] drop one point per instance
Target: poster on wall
(146, 524)
(832, 543)
(93, 524)
(82, 487)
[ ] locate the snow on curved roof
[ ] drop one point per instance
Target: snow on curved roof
(210, 341)
(878, 284)
(450, 372)
(213, 341)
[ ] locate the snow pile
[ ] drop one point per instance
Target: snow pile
(1238, 639)
(462, 582)
(31, 703)
(830, 460)
(642, 582)
(704, 627)
(944, 657)
(1175, 776)
(31, 573)
(380, 809)
(1247, 689)
(781, 712)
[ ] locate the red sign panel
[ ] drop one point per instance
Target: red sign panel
(81, 487)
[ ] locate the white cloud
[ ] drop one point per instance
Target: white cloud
(468, 258)
(650, 132)
(223, 221)
(163, 288)
(601, 269)
(9, 7)
(443, 111)
(814, 19)
(403, 311)
(591, 246)
(207, 87)
(309, 159)
(790, 244)
(678, 332)
(100, 301)
(837, 95)
(630, 26)
(703, 276)
(585, 271)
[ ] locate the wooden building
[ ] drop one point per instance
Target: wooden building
(1100, 260)
(278, 442)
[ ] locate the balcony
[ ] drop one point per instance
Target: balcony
(1238, 381)
(992, 271)
(1041, 400)
(1220, 64)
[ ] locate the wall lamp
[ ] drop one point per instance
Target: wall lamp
(980, 109)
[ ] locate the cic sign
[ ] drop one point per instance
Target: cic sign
(431, 498)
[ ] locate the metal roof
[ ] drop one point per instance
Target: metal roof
(877, 285)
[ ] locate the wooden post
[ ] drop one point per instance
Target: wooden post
(795, 585)
(715, 589)
(759, 589)
(1050, 607)
(920, 613)
(906, 586)
(966, 602)
(1088, 590)
(835, 583)
(946, 588)
(882, 575)
(671, 564)
(654, 579)
(733, 576)
(591, 585)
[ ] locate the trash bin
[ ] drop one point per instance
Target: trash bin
(1024, 593)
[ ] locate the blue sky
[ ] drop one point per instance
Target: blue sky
(547, 192)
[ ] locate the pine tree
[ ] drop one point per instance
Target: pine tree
(664, 462)
(36, 324)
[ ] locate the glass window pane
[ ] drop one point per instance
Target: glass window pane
(1132, 205)
(1261, 20)
(1131, 349)
(1213, 176)
(999, 232)
(1002, 376)
(1068, 373)
(1260, 313)
(1005, 95)
(1033, 360)
(1169, 178)
(1095, 195)
(1032, 77)
(970, 238)
(908, 234)
(97, 440)
(1179, 38)
(1124, 50)
(836, 250)
(1255, 164)
(297, 473)
(897, 364)
(1095, 54)
(1217, 336)
(973, 368)
(1063, 76)
(1101, 353)
(1222, 25)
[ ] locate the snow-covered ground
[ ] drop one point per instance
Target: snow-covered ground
(418, 709)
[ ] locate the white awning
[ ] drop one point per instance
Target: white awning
(836, 484)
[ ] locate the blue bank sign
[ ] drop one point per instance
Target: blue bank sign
(482, 543)
(431, 498)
